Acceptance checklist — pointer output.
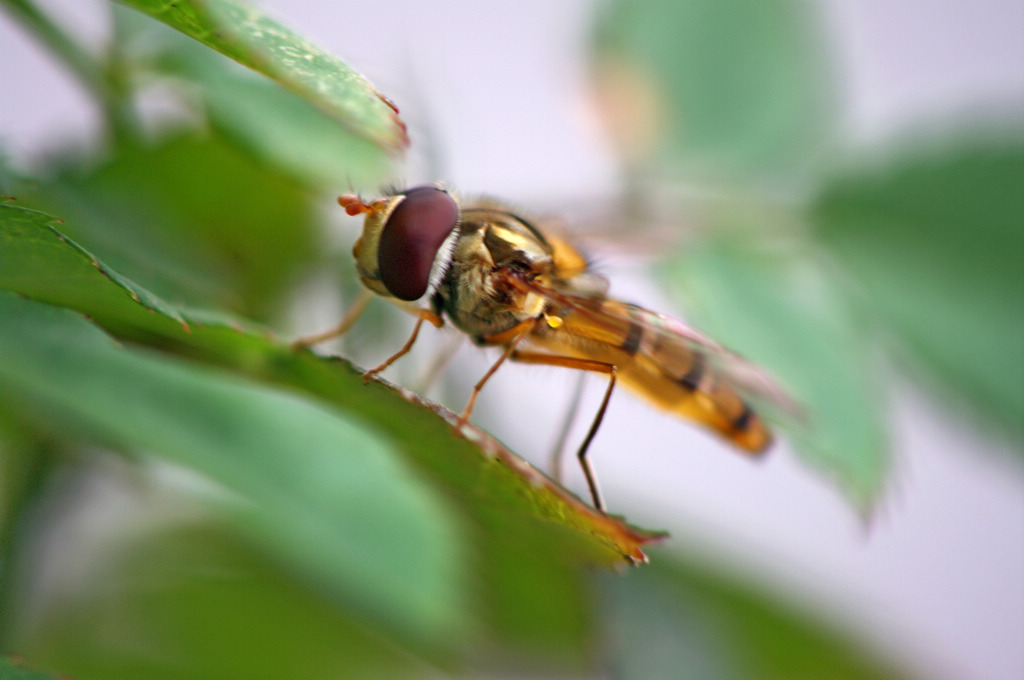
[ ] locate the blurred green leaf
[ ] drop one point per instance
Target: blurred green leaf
(192, 600)
(23, 463)
(202, 223)
(66, 274)
(679, 620)
(935, 243)
(279, 128)
(326, 491)
(531, 535)
(11, 669)
(735, 87)
(242, 32)
(289, 133)
(38, 260)
(523, 523)
(780, 309)
(538, 608)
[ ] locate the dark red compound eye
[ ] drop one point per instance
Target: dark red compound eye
(411, 239)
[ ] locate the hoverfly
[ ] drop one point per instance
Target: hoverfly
(505, 283)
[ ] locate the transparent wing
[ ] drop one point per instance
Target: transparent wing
(677, 348)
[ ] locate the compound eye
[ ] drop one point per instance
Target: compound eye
(412, 238)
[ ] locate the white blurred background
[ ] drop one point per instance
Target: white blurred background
(496, 95)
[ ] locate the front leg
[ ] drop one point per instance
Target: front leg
(422, 315)
(510, 339)
(351, 315)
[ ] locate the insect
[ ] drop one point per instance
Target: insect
(501, 280)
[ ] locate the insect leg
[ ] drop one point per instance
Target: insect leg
(582, 365)
(509, 349)
(352, 314)
(558, 450)
(423, 315)
(441, 360)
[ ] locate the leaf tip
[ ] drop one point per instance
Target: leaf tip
(402, 141)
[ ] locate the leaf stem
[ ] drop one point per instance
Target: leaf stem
(101, 82)
(29, 459)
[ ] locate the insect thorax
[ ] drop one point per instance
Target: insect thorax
(476, 293)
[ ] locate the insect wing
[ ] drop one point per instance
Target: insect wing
(729, 367)
(670, 363)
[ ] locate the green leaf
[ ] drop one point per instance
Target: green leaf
(780, 309)
(282, 130)
(530, 537)
(204, 223)
(289, 133)
(329, 494)
(40, 263)
(735, 87)
(24, 464)
(935, 244)
(243, 33)
(13, 669)
(202, 604)
(682, 619)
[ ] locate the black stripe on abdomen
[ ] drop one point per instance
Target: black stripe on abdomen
(691, 381)
(741, 422)
(635, 334)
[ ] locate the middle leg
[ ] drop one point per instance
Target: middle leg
(581, 365)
